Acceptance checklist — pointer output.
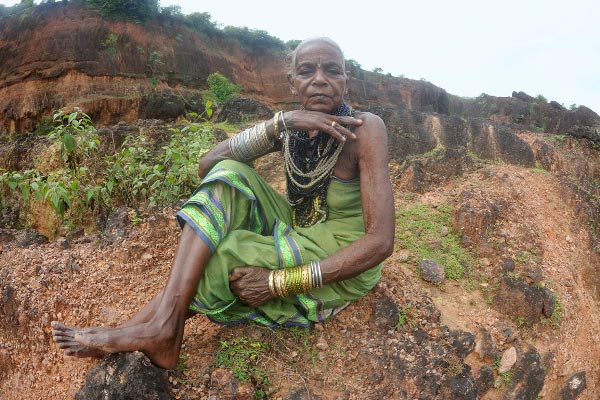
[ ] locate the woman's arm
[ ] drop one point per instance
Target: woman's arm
(222, 151)
(378, 208)
(299, 120)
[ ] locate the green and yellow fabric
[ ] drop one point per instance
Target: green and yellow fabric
(246, 222)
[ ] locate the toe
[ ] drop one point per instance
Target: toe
(61, 338)
(67, 345)
(59, 326)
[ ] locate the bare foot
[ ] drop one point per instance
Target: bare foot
(160, 344)
(64, 336)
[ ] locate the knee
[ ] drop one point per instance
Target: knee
(231, 165)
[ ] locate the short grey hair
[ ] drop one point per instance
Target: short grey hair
(291, 57)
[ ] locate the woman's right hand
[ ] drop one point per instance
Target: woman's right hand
(315, 121)
(251, 285)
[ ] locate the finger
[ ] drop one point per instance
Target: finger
(334, 129)
(345, 131)
(345, 120)
(346, 125)
(236, 274)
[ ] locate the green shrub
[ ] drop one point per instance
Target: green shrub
(110, 43)
(139, 177)
(221, 88)
(76, 135)
(135, 175)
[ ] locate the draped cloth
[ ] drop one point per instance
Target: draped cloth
(245, 222)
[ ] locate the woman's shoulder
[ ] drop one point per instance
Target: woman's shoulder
(371, 122)
(365, 115)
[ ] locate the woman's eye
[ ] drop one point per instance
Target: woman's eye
(305, 71)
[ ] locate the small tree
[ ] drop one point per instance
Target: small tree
(221, 88)
(135, 10)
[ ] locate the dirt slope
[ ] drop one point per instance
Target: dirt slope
(92, 282)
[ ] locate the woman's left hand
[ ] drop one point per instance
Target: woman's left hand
(251, 285)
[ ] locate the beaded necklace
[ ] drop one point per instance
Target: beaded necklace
(309, 164)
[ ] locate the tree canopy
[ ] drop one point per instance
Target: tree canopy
(137, 10)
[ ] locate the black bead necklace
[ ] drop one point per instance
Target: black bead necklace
(309, 164)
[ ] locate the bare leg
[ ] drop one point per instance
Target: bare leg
(157, 330)
(63, 334)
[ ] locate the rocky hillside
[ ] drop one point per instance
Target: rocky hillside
(60, 54)
(492, 292)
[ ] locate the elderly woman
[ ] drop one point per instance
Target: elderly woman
(246, 252)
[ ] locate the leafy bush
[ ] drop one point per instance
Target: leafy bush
(139, 177)
(221, 88)
(75, 134)
(292, 44)
(86, 182)
(23, 8)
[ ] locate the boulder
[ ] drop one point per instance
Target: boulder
(463, 342)
(574, 386)
(385, 314)
(432, 271)
(485, 379)
(240, 109)
(528, 374)
(485, 345)
(124, 376)
(32, 237)
(528, 303)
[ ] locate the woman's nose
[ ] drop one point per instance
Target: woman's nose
(319, 77)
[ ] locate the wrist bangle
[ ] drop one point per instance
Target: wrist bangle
(300, 279)
(285, 129)
(317, 274)
(271, 284)
(276, 124)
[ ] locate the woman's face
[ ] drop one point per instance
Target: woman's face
(319, 76)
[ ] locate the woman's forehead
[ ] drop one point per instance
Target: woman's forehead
(318, 50)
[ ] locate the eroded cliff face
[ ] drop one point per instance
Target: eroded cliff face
(63, 55)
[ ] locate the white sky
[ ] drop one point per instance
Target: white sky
(468, 47)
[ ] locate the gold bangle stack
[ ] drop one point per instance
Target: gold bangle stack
(300, 279)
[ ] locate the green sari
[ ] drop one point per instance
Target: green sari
(245, 222)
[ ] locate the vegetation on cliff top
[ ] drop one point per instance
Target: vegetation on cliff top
(147, 10)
